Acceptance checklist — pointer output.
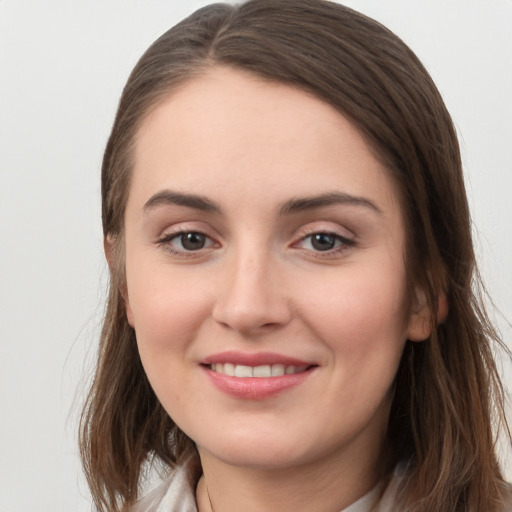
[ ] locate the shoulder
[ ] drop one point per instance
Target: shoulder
(175, 493)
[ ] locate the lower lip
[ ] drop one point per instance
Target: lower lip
(256, 388)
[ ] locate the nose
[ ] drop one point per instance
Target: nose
(251, 297)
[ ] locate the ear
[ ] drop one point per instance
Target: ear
(442, 308)
(108, 247)
(420, 323)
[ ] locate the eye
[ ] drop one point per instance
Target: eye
(192, 241)
(323, 242)
(186, 241)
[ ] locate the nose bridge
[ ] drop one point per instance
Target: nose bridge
(250, 295)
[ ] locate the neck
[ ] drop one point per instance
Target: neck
(331, 486)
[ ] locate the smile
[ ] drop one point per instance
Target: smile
(263, 371)
(256, 376)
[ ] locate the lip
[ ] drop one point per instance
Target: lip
(256, 359)
(255, 388)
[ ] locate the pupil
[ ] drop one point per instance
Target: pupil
(323, 241)
(192, 241)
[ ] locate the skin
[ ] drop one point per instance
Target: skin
(259, 284)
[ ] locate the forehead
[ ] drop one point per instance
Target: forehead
(233, 131)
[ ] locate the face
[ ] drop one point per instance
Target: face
(265, 273)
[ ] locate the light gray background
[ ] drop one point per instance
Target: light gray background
(62, 66)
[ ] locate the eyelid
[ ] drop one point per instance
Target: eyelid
(171, 233)
(344, 240)
(327, 228)
(172, 236)
(186, 227)
(347, 240)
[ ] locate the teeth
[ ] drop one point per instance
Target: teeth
(262, 371)
(278, 370)
(239, 370)
(243, 371)
(229, 369)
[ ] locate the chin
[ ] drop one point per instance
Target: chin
(258, 458)
(265, 452)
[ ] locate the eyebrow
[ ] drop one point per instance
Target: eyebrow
(310, 203)
(295, 205)
(169, 197)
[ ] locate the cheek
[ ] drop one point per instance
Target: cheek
(358, 312)
(168, 312)
(359, 318)
(167, 309)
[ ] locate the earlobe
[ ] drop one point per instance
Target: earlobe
(420, 324)
(442, 308)
(108, 247)
(129, 312)
(419, 327)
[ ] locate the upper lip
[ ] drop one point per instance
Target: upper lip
(256, 359)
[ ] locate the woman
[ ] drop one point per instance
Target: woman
(291, 322)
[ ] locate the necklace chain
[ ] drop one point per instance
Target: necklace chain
(209, 499)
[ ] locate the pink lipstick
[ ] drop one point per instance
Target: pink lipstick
(255, 376)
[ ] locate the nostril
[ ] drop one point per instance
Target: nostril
(251, 317)
(250, 299)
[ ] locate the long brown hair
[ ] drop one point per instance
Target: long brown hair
(448, 392)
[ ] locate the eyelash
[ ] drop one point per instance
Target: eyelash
(166, 240)
(342, 244)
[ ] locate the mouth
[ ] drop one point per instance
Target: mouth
(262, 371)
(256, 376)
